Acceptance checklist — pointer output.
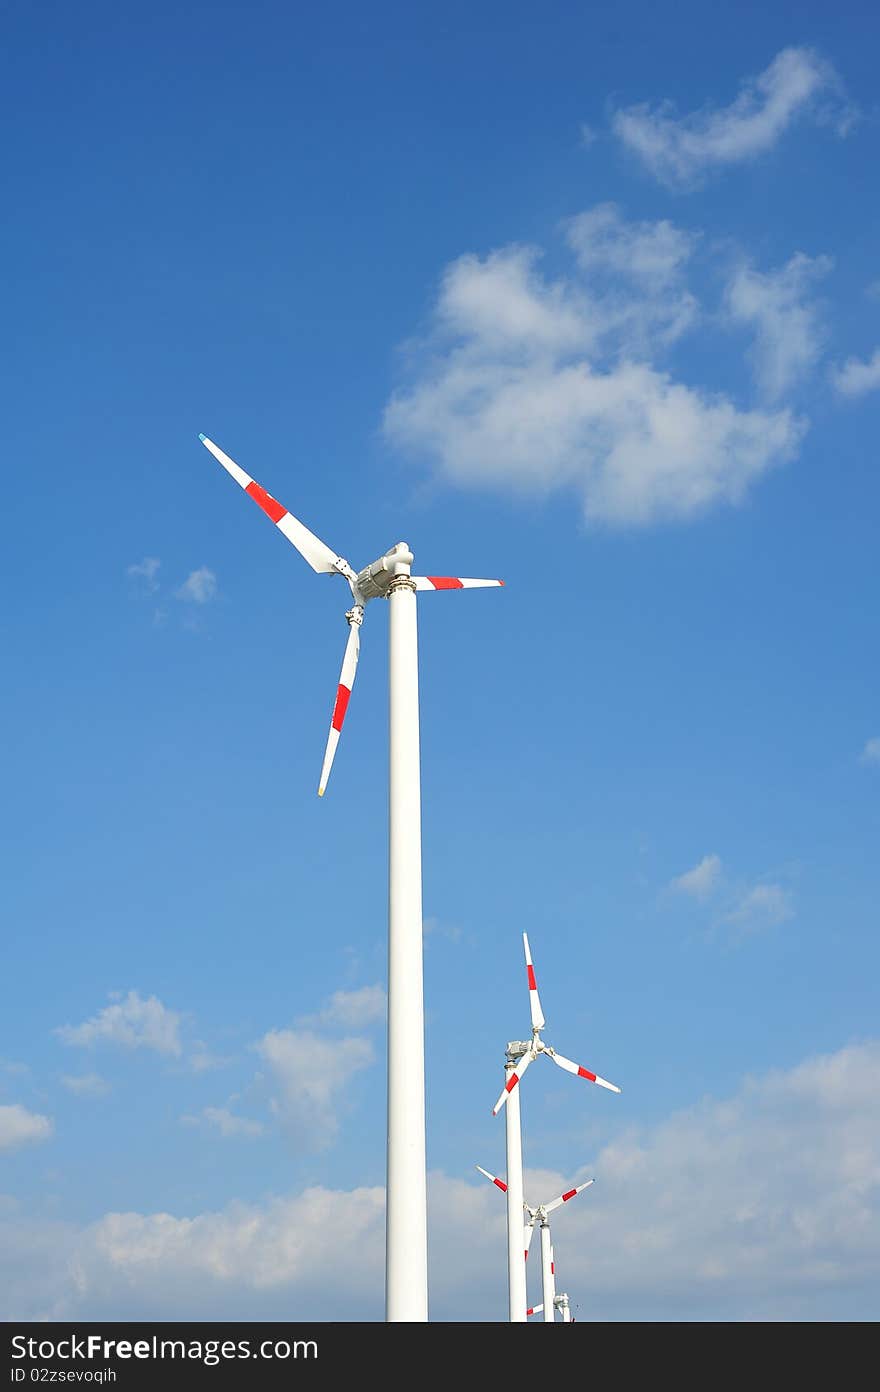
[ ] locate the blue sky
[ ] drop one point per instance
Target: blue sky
(588, 300)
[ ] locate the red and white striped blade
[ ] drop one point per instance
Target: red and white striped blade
(494, 1179)
(534, 998)
(343, 692)
(534, 1309)
(527, 1237)
(569, 1194)
(310, 547)
(451, 582)
(513, 1079)
(581, 1072)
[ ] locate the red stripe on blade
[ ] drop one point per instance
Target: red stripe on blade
(501, 1184)
(511, 1083)
(341, 706)
(266, 502)
(584, 1073)
(570, 1195)
(533, 985)
(445, 582)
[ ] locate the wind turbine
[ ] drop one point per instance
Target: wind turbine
(540, 1215)
(406, 1256)
(519, 1055)
(562, 1304)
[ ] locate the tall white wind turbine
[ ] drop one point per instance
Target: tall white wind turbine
(406, 1257)
(540, 1215)
(519, 1055)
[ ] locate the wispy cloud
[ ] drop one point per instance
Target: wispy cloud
(134, 1022)
(312, 1078)
(871, 752)
(19, 1127)
(701, 880)
(145, 572)
(86, 1084)
(199, 587)
(681, 150)
(654, 251)
(761, 906)
(530, 385)
(857, 377)
(441, 928)
(202, 1060)
(226, 1122)
(350, 1009)
(777, 306)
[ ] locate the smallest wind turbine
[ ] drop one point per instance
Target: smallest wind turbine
(541, 1216)
(562, 1304)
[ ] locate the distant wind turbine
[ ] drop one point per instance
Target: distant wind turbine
(406, 1259)
(540, 1215)
(519, 1055)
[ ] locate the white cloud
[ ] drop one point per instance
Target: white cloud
(201, 1060)
(654, 251)
(199, 587)
(18, 1126)
(775, 304)
(679, 150)
(764, 1205)
(226, 1122)
(441, 928)
(352, 1009)
(537, 385)
(146, 570)
(86, 1085)
(762, 906)
(312, 1077)
(700, 881)
(15, 1068)
(134, 1022)
(635, 271)
(856, 377)
(871, 752)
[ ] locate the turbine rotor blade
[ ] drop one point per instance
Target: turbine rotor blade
(513, 1078)
(534, 998)
(527, 1237)
(494, 1179)
(310, 547)
(534, 1309)
(576, 1068)
(451, 582)
(569, 1194)
(343, 692)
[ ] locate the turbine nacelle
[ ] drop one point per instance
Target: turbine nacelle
(375, 580)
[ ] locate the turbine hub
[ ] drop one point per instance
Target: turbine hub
(375, 581)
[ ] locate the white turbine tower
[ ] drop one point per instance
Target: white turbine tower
(540, 1215)
(406, 1256)
(519, 1055)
